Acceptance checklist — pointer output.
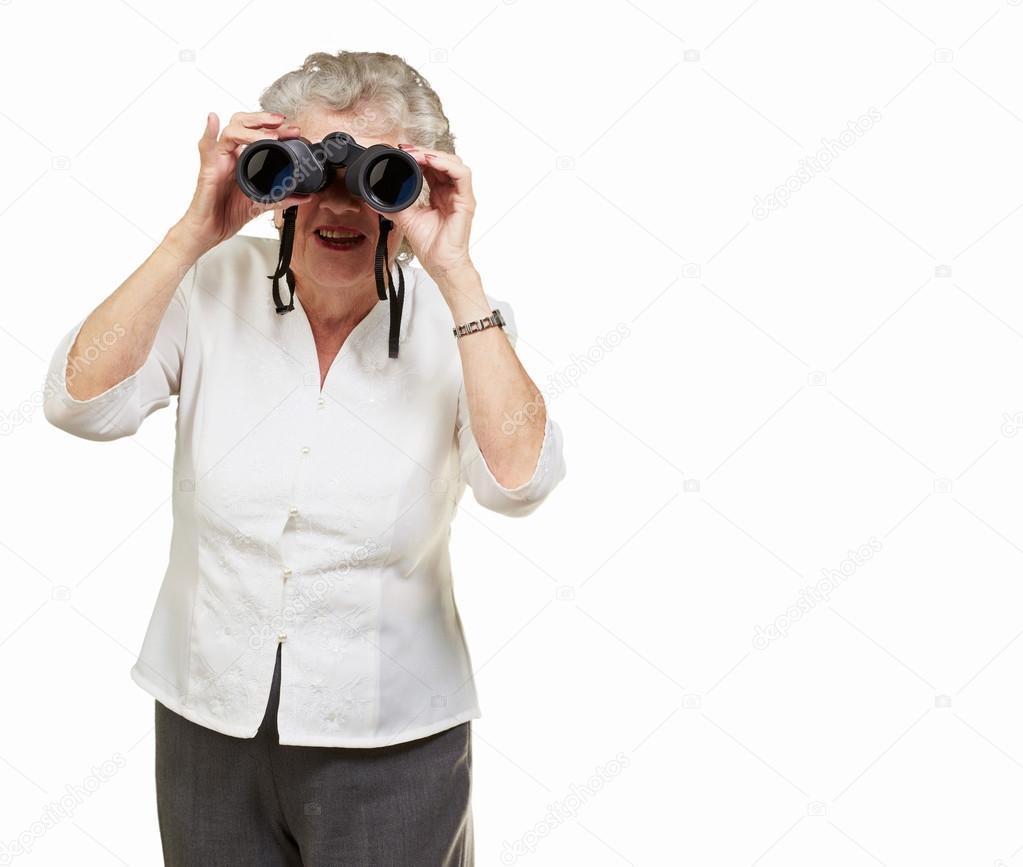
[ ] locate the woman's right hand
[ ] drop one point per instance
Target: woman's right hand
(219, 208)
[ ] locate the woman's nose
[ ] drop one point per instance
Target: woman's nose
(336, 192)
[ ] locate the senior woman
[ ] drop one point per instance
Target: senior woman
(313, 687)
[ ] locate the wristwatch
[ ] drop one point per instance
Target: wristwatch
(495, 318)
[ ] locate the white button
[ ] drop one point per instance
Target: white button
(321, 402)
(287, 572)
(281, 636)
(293, 510)
(305, 450)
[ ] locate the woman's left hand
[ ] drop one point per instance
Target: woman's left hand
(439, 233)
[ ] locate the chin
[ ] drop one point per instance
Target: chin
(345, 269)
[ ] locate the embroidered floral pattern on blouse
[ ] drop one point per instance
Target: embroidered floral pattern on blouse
(222, 692)
(338, 705)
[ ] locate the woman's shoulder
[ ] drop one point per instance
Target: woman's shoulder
(234, 273)
(239, 257)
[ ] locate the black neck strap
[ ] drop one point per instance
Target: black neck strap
(397, 299)
(284, 261)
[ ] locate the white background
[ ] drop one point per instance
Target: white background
(828, 386)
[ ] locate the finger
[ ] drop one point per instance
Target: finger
(256, 119)
(413, 149)
(447, 187)
(444, 170)
(430, 155)
(234, 136)
(256, 209)
(403, 218)
(209, 135)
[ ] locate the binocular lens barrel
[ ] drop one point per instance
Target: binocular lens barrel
(390, 180)
(386, 178)
(268, 170)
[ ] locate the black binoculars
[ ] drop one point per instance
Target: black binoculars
(386, 178)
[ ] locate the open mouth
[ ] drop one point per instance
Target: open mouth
(339, 239)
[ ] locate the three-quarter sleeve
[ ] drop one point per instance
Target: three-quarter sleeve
(120, 410)
(487, 490)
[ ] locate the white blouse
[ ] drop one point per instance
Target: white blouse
(319, 520)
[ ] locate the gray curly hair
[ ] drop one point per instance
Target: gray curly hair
(382, 90)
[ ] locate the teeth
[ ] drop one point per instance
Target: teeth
(338, 236)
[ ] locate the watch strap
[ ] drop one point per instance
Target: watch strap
(495, 318)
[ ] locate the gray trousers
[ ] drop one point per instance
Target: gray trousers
(224, 801)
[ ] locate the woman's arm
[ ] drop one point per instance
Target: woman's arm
(510, 449)
(123, 361)
(506, 410)
(117, 337)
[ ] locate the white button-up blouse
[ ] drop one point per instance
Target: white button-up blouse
(315, 520)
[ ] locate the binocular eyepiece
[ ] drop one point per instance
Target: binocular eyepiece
(386, 178)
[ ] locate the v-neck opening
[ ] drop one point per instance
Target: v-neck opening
(361, 325)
